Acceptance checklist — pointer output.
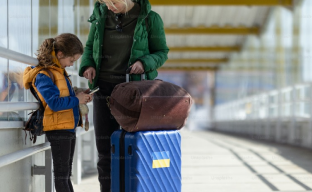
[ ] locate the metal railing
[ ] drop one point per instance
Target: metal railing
(294, 101)
(22, 154)
(283, 115)
(45, 147)
(18, 106)
(16, 56)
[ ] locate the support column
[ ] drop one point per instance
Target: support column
(48, 11)
(279, 49)
(280, 69)
(212, 95)
(264, 68)
(296, 64)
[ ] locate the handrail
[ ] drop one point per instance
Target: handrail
(18, 106)
(22, 154)
(16, 56)
(263, 93)
(11, 124)
(290, 102)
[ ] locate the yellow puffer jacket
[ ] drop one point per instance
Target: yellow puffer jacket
(52, 120)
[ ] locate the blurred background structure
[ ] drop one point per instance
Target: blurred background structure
(247, 64)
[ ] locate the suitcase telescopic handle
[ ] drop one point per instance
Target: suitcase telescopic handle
(128, 75)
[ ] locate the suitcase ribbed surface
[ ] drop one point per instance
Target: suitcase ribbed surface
(152, 163)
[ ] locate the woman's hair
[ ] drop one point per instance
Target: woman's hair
(67, 43)
(125, 2)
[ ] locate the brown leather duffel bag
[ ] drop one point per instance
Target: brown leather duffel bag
(150, 105)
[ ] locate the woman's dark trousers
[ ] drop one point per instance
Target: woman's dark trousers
(104, 126)
(62, 147)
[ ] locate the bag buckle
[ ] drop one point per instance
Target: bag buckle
(107, 101)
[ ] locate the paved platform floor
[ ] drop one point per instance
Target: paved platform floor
(215, 162)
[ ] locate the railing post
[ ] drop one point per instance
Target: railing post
(292, 131)
(77, 159)
(310, 120)
(267, 117)
(46, 171)
(94, 153)
(279, 117)
(49, 176)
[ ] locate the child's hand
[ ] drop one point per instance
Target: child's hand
(84, 98)
(87, 91)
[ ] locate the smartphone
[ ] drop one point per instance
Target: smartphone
(94, 90)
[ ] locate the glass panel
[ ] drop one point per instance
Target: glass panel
(262, 113)
(302, 109)
(20, 26)
(3, 25)
(286, 110)
(20, 40)
(66, 20)
(307, 109)
(272, 99)
(35, 27)
(4, 85)
(273, 112)
(286, 96)
(306, 92)
(298, 93)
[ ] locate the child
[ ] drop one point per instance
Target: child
(61, 115)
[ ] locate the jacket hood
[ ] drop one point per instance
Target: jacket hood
(101, 9)
(31, 72)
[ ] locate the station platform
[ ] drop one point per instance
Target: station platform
(216, 162)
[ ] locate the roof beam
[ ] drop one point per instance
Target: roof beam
(224, 2)
(197, 60)
(214, 30)
(210, 49)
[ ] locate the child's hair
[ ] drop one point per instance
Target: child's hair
(125, 2)
(67, 43)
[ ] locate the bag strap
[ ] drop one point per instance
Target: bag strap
(32, 90)
(50, 74)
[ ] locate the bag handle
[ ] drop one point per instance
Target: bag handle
(128, 76)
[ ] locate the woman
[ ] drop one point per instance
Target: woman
(123, 34)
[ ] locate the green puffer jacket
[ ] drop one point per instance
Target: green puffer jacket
(149, 44)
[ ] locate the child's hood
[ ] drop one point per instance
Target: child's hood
(29, 74)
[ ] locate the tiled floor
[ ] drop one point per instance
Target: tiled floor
(214, 162)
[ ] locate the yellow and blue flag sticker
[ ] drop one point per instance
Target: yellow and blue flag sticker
(161, 159)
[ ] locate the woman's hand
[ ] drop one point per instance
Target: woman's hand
(137, 68)
(84, 98)
(89, 74)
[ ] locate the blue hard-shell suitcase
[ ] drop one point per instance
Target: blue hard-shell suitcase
(146, 161)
